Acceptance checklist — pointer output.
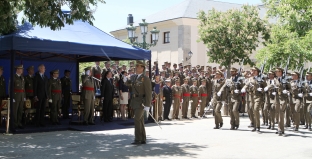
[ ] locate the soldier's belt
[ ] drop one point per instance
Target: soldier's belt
(194, 95)
(186, 94)
(56, 91)
(29, 90)
(135, 95)
(98, 76)
(204, 95)
(19, 90)
(88, 88)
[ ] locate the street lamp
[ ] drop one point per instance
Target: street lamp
(144, 30)
(190, 54)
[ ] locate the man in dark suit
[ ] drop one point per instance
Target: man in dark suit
(40, 94)
(107, 93)
(168, 98)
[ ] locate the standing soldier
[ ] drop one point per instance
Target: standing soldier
(202, 97)
(249, 104)
(308, 101)
(176, 92)
(217, 99)
(2, 87)
(29, 80)
(194, 98)
(158, 98)
(66, 91)
(167, 92)
(186, 98)
(282, 98)
(88, 96)
(141, 100)
(297, 95)
(233, 85)
(270, 103)
(176, 76)
(19, 96)
(181, 75)
(106, 68)
(256, 85)
(96, 70)
(209, 85)
(55, 96)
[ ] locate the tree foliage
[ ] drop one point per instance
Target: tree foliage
(232, 35)
(45, 13)
(290, 34)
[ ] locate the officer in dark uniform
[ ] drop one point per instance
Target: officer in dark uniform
(19, 96)
(167, 92)
(66, 91)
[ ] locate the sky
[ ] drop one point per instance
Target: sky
(113, 15)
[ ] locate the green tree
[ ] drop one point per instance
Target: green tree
(45, 13)
(232, 35)
(290, 34)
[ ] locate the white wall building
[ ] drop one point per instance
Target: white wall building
(179, 32)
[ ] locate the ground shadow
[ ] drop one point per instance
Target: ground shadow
(88, 145)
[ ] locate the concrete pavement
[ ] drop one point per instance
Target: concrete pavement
(177, 139)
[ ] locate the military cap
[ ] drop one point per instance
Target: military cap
(1, 67)
(30, 68)
(166, 62)
(255, 68)
(189, 65)
(219, 72)
(203, 80)
(169, 62)
(176, 72)
(19, 67)
(185, 79)
(309, 73)
(177, 80)
(170, 73)
(198, 66)
(55, 71)
(180, 64)
(167, 80)
(162, 65)
(66, 71)
(155, 62)
(174, 64)
(295, 73)
(279, 69)
(234, 69)
(87, 68)
(194, 80)
(271, 72)
(140, 63)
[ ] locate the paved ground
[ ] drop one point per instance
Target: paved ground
(177, 139)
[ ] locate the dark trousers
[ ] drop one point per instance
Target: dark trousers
(167, 107)
(40, 110)
(66, 105)
(107, 109)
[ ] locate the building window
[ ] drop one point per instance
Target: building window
(166, 37)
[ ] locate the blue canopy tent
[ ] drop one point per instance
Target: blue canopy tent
(63, 49)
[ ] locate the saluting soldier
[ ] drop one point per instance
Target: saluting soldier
(202, 97)
(194, 98)
(2, 87)
(270, 99)
(186, 98)
(233, 85)
(282, 98)
(88, 96)
(217, 100)
(55, 96)
(66, 91)
(256, 85)
(19, 96)
(140, 100)
(308, 101)
(176, 92)
(297, 96)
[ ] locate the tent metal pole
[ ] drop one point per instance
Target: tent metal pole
(77, 76)
(11, 87)
(150, 69)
